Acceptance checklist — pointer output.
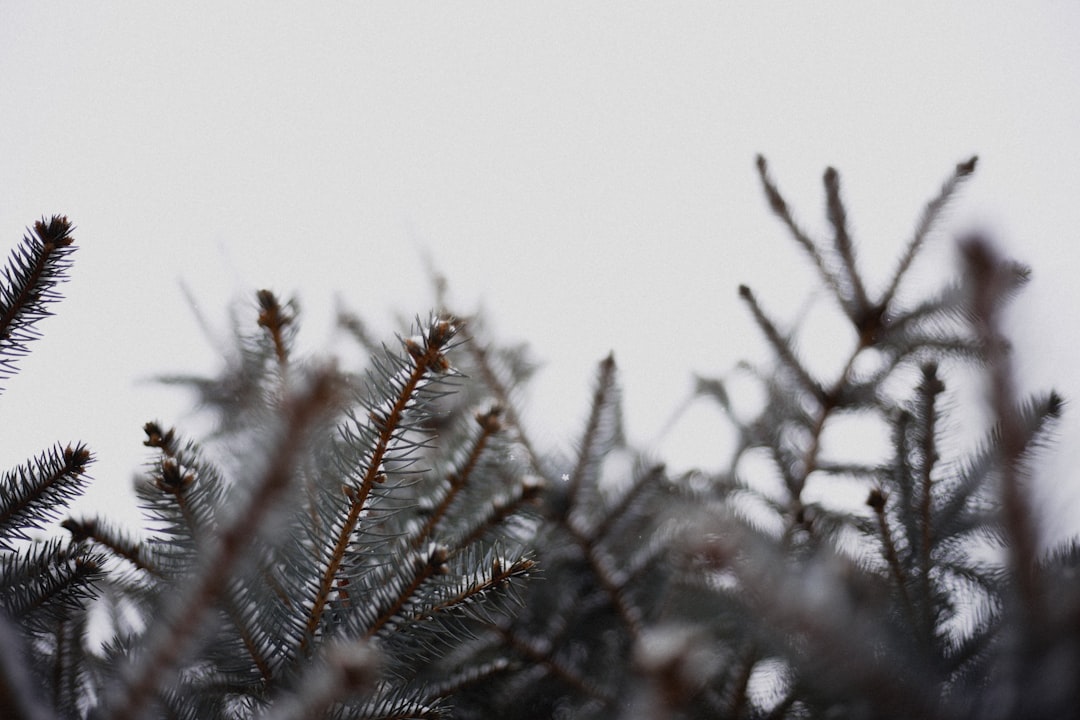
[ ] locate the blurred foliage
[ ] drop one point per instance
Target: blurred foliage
(387, 541)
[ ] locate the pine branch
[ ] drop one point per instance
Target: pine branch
(70, 663)
(602, 434)
(780, 209)
(874, 326)
(610, 580)
(782, 347)
(481, 584)
(36, 493)
(186, 494)
(601, 431)
(930, 518)
(462, 682)
(168, 641)
(858, 304)
(877, 501)
(183, 493)
(117, 543)
(966, 508)
(247, 395)
(424, 567)
(385, 425)
(927, 392)
(277, 321)
(47, 582)
(30, 279)
(929, 218)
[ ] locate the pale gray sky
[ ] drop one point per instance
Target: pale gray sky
(585, 170)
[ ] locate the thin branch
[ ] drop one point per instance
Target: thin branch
(35, 492)
(275, 320)
(780, 208)
(587, 455)
(782, 346)
(926, 223)
(167, 644)
(30, 281)
(877, 501)
(117, 544)
(427, 358)
(844, 247)
(501, 574)
(434, 563)
(929, 389)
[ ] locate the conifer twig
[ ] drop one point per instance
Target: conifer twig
(829, 401)
(169, 640)
(35, 492)
(176, 475)
(877, 501)
(30, 280)
(780, 208)
(354, 325)
(461, 681)
(570, 512)
(499, 575)
(929, 389)
(427, 358)
(117, 545)
(605, 575)
(591, 451)
(275, 320)
(781, 346)
(926, 223)
(858, 304)
(424, 568)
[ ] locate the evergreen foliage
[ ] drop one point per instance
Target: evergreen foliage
(388, 541)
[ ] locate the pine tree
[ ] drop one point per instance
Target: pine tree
(388, 541)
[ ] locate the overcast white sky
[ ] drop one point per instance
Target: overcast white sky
(585, 170)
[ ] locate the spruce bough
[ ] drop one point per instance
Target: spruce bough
(388, 542)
